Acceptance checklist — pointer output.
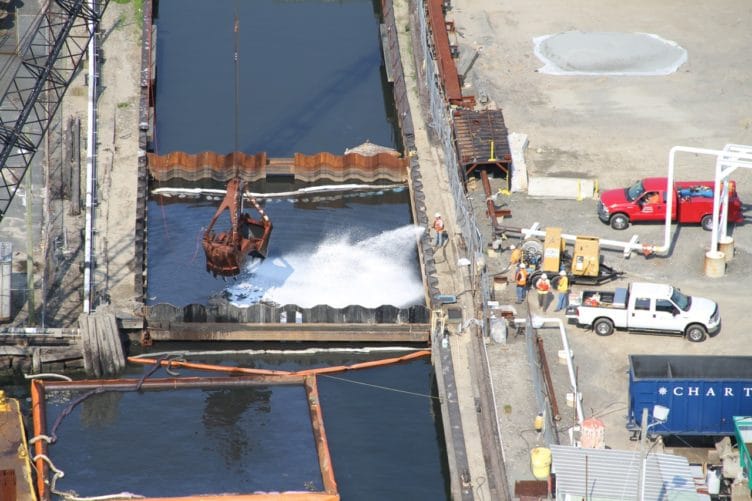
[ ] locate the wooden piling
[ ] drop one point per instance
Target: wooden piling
(100, 344)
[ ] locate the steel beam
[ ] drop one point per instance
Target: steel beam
(49, 58)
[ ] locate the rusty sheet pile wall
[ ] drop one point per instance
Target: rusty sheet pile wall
(211, 165)
(264, 313)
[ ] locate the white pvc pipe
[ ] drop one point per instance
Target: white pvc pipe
(91, 142)
(627, 247)
(728, 160)
(731, 157)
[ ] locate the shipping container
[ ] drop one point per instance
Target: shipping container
(703, 393)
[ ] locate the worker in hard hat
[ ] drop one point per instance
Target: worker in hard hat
(440, 229)
(543, 288)
(562, 288)
(516, 255)
(520, 279)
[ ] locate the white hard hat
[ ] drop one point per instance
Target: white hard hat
(512, 247)
(437, 215)
(562, 273)
(544, 276)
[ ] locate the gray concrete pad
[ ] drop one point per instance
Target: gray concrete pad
(637, 54)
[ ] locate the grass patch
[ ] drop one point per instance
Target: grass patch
(138, 11)
(123, 105)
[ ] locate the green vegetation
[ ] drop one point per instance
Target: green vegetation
(138, 9)
(123, 105)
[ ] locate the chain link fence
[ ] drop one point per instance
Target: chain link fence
(440, 122)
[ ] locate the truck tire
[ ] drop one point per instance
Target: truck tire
(619, 222)
(696, 333)
(533, 277)
(603, 326)
(707, 222)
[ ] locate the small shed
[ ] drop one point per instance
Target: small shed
(610, 474)
(482, 142)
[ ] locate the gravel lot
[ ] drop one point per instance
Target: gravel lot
(614, 129)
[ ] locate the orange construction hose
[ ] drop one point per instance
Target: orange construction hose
(266, 372)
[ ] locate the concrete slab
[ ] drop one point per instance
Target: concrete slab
(561, 187)
(517, 146)
(598, 53)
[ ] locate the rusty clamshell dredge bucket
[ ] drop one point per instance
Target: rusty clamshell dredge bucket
(227, 251)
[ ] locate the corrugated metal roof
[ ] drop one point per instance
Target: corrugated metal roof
(475, 131)
(613, 474)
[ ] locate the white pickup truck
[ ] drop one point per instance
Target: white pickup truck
(646, 307)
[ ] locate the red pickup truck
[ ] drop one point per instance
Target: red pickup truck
(646, 200)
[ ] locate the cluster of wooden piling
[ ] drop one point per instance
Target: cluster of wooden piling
(101, 346)
(28, 351)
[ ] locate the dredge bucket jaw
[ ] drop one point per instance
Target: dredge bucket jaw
(227, 251)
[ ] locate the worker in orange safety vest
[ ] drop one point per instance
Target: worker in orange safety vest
(520, 278)
(440, 229)
(543, 288)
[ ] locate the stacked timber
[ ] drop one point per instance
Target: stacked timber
(101, 344)
(31, 351)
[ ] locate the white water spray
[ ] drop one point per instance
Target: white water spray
(380, 270)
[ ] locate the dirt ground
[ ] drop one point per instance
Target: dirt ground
(614, 129)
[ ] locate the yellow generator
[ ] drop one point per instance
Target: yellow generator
(586, 258)
(553, 247)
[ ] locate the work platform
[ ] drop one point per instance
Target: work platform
(345, 333)
(15, 468)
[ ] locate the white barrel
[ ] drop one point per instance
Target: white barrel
(6, 270)
(713, 479)
(726, 245)
(593, 434)
(498, 329)
(715, 264)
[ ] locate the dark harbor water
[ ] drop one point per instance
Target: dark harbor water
(310, 79)
(380, 423)
(346, 249)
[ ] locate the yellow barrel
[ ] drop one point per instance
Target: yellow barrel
(540, 458)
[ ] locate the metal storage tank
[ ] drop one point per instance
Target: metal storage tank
(703, 393)
(6, 270)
